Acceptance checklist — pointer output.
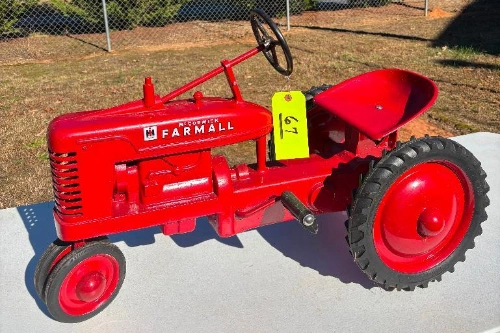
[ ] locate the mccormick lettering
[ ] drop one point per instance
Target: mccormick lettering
(199, 122)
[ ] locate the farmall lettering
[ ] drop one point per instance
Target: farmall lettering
(188, 128)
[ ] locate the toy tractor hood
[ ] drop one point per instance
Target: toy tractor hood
(176, 127)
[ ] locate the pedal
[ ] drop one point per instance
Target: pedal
(299, 211)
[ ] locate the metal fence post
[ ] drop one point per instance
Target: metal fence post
(288, 15)
(426, 7)
(106, 26)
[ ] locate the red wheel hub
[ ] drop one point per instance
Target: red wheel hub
(430, 223)
(89, 284)
(91, 287)
(423, 217)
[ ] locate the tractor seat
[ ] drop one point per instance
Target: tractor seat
(379, 102)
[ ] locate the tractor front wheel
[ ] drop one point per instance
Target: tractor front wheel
(54, 253)
(84, 281)
(417, 212)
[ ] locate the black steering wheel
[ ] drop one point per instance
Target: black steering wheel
(259, 20)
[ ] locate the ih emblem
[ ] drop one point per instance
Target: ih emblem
(150, 133)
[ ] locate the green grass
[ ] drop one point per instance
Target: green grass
(464, 52)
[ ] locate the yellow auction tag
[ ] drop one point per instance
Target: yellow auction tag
(290, 125)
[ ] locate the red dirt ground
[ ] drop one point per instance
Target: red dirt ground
(419, 127)
(438, 13)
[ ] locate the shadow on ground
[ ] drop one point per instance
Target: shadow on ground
(468, 64)
(327, 252)
(465, 85)
(477, 26)
(362, 32)
(39, 223)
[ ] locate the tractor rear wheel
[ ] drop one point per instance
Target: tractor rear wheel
(417, 212)
(84, 281)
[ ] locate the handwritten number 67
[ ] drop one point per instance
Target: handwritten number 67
(288, 120)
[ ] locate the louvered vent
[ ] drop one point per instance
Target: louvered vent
(66, 184)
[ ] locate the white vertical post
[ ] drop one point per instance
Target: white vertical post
(106, 26)
(287, 15)
(426, 7)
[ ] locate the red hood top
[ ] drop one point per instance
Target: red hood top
(177, 126)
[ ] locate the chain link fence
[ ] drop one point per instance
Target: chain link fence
(51, 29)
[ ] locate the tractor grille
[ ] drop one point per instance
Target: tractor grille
(67, 193)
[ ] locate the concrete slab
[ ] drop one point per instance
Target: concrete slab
(278, 278)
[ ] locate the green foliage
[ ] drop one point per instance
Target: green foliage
(71, 10)
(11, 11)
(156, 12)
(91, 12)
(122, 14)
(310, 4)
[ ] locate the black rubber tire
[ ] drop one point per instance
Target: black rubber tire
(67, 263)
(43, 266)
(373, 188)
(313, 92)
(42, 269)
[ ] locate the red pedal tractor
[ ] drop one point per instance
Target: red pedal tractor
(414, 208)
